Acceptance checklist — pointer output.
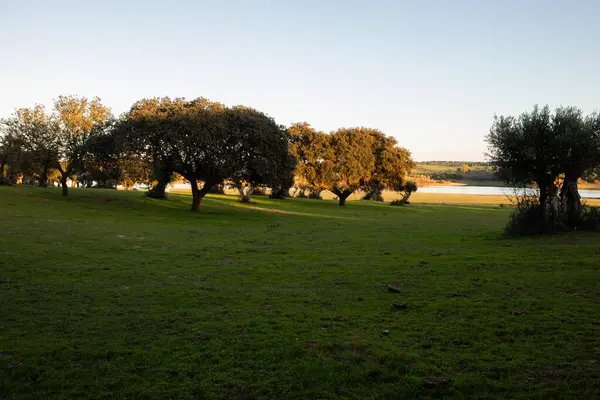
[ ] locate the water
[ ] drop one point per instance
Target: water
(590, 194)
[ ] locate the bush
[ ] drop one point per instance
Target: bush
(528, 218)
(407, 189)
(5, 182)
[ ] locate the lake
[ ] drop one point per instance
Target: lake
(590, 194)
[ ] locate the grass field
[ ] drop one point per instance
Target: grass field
(110, 295)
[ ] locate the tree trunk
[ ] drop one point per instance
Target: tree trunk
(44, 178)
(196, 198)
(198, 194)
(163, 177)
(406, 196)
(65, 188)
(550, 206)
(571, 200)
(342, 196)
(245, 196)
(158, 191)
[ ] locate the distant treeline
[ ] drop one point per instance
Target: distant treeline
(458, 164)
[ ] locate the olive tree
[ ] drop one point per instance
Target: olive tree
(579, 141)
(539, 147)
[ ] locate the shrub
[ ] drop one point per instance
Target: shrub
(529, 219)
(5, 182)
(407, 189)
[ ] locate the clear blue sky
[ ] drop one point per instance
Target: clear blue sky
(431, 73)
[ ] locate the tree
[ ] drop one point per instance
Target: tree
(100, 160)
(353, 161)
(527, 149)
(579, 140)
(12, 153)
(263, 157)
(314, 161)
(143, 132)
(392, 165)
(539, 146)
(206, 142)
(407, 190)
(465, 169)
(32, 136)
(134, 169)
(280, 188)
(77, 117)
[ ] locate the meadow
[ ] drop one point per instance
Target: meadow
(112, 295)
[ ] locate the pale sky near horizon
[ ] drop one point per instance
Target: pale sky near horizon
(430, 73)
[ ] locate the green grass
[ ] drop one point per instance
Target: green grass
(431, 168)
(110, 295)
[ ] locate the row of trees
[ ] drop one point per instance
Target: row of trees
(552, 150)
(205, 142)
(348, 160)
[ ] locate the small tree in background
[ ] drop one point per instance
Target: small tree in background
(312, 151)
(76, 117)
(465, 169)
(406, 190)
(32, 137)
(392, 165)
(353, 161)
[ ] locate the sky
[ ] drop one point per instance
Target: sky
(430, 73)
